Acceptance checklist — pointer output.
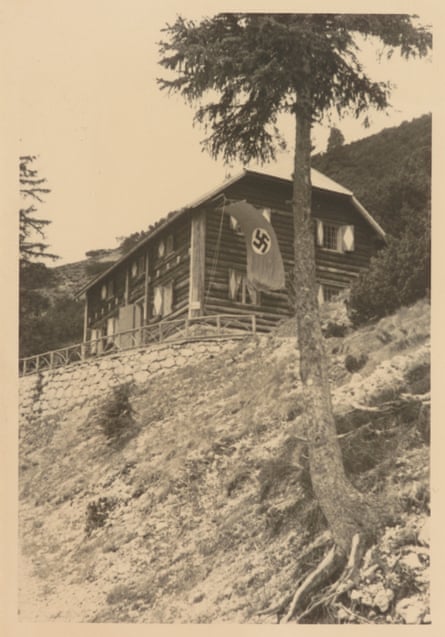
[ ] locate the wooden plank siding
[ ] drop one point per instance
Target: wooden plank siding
(341, 268)
(225, 249)
(136, 277)
(172, 267)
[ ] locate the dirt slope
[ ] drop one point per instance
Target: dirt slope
(203, 511)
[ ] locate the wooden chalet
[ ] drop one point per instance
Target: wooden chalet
(193, 263)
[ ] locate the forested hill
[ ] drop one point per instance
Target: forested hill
(389, 172)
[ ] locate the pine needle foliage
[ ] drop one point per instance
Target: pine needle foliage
(245, 69)
(32, 188)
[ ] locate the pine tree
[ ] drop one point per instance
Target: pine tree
(336, 139)
(33, 306)
(32, 187)
(258, 66)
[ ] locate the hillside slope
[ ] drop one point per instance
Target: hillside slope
(69, 278)
(204, 512)
(388, 172)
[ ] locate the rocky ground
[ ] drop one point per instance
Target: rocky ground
(188, 499)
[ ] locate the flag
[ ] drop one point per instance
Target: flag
(265, 270)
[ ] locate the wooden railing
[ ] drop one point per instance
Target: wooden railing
(187, 329)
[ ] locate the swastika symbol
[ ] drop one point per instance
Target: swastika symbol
(261, 241)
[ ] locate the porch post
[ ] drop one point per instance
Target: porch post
(127, 285)
(85, 325)
(197, 264)
(146, 312)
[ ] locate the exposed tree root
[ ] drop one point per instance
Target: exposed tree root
(327, 569)
(280, 607)
(334, 576)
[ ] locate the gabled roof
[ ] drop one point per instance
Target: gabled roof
(318, 180)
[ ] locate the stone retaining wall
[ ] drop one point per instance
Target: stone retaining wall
(63, 388)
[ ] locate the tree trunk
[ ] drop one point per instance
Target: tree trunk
(346, 510)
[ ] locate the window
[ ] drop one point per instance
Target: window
(163, 299)
(327, 293)
(161, 249)
(267, 214)
(141, 264)
(240, 290)
(107, 290)
(234, 225)
(332, 236)
(111, 328)
(138, 267)
(169, 244)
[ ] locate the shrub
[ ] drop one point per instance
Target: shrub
(48, 324)
(97, 513)
(398, 275)
(115, 416)
(355, 363)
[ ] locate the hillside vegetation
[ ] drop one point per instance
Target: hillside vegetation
(188, 499)
(50, 315)
(390, 173)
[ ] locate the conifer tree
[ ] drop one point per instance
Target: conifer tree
(33, 306)
(336, 139)
(242, 71)
(31, 228)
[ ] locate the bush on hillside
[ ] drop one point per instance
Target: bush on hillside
(34, 276)
(389, 172)
(48, 325)
(398, 275)
(115, 417)
(97, 513)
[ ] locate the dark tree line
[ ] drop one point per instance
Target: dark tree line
(45, 321)
(391, 174)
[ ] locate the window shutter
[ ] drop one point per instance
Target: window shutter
(168, 299)
(267, 213)
(320, 295)
(234, 224)
(252, 292)
(157, 301)
(110, 327)
(347, 239)
(169, 244)
(319, 232)
(235, 280)
(93, 337)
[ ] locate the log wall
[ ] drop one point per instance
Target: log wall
(173, 266)
(225, 249)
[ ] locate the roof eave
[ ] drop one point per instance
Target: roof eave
(366, 215)
(125, 256)
(191, 206)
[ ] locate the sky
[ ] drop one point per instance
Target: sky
(118, 153)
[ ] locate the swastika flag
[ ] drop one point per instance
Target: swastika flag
(265, 270)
